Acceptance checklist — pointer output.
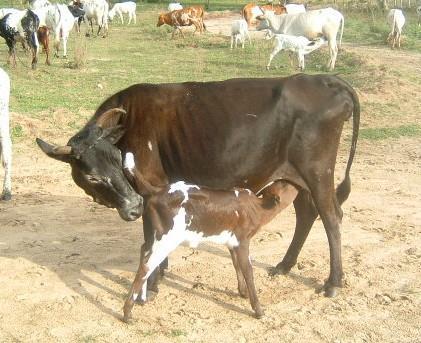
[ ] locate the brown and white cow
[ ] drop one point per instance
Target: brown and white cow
(235, 133)
(251, 11)
(188, 16)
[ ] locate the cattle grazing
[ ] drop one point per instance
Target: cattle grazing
(97, 10)
(128, 7)
(21, 26)
(251, 11)
(312, 24)
(172, 6)
(396, 20)
(224, 134)
(185, 17)
(188, 213)
(43, 35)
(300, 45)
(239, 32)
(5, 141)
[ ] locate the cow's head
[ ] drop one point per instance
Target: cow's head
(97, 165)
(161, 20)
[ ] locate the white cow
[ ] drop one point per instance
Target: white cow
(396, 20)
(36, 4)
(97, 10)
(312, 24)
(4, 11)
(5, 141)
(299, 45)
(60, 22)
(239, 32)
(121, 8)
(174, 6)
(295, 8)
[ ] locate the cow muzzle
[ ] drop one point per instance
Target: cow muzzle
(133, 211)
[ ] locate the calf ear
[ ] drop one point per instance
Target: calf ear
(113, 134)
(61, 153)
(111, 118)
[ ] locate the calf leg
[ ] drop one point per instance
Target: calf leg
(242, 288)
(6, 155)
(242, 252)
(274, 52)
(305, 214)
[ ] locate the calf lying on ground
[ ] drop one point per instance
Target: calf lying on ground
(5, 141)
(189, 213)
(239, 32)
(299, 45)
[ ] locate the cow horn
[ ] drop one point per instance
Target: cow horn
(61, 153)
(111, 118)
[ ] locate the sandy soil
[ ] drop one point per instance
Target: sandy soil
(66, 263)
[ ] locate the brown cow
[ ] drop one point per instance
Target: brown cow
(43, 35)
(188, 16)
(251, 11)
(223, 134)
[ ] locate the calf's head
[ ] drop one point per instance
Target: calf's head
(97, 165)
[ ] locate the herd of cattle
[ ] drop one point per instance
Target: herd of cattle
(197, 169)
(295, 29)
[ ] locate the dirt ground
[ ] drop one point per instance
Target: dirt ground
(66, 263)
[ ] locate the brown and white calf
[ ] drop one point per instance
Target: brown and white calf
(188, 16)
(192, 214)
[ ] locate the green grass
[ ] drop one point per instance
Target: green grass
(97, 67)
(390, 132)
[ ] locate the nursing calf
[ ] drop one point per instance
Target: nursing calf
(189, 213)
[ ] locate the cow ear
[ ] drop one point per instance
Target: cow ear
(113, 134)
(60, 153)
(111, 118)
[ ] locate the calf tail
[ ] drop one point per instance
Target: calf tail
(344, 188)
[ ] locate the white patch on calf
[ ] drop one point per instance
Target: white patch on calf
(129, 162)
(182, 187)
(135, 296)
(226, 237)
(144, 291)
(237, 214)
(150, 145)
(236, 193)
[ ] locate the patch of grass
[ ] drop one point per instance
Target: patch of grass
(390, 132)
(17, 132)
(177, 333)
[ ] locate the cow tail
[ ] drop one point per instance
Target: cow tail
(344, 188)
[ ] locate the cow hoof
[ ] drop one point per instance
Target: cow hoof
(280, 269)
(6, 196)
(259, 313)
(329, 291)
(127, 318)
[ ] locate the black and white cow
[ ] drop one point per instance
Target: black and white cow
(20, 26)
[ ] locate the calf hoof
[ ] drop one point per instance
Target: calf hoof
(243, 292)
(127, 318)
(280, 269)
(150, 296)
(6, 196)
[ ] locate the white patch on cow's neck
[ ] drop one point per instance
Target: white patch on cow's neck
(181, 186)
(150, 145)
(129, 162)
(236, 193)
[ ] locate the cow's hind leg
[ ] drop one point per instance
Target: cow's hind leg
(306, 214)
